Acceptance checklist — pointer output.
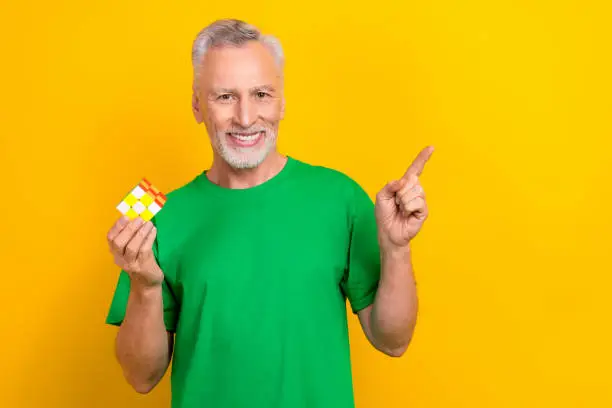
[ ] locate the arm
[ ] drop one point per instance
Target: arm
(379, 282)
(143, 305)
(401, 211)
(390, 321)
(389, 317)
(143, 346)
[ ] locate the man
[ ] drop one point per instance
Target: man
(242, 279)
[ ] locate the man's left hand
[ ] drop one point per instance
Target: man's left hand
(401, 208)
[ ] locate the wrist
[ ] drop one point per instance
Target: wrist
(392, 251)
(145, 290)
(396, 261)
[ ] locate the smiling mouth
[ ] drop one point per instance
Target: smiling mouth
(243, 139)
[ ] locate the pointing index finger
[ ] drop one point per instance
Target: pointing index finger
(417, 166)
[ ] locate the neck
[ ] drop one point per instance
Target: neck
(224, 175)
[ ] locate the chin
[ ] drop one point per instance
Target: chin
(239, 164)
(244, 158)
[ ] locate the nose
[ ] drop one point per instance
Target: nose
(246, 114)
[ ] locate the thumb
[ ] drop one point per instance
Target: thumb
(392, 187)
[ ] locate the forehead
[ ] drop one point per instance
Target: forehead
(245, 66)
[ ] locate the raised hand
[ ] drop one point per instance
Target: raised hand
(401, 208)
(131, 244)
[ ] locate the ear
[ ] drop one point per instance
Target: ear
(195, 107)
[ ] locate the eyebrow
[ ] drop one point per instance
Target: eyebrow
(268, 88)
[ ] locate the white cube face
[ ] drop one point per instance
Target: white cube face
(138, 207)
(154, 208)
(123, 207)
(138, 192)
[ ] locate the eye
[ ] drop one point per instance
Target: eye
(261, 94)
(224, 97)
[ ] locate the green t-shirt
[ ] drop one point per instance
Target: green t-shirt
(256, 283)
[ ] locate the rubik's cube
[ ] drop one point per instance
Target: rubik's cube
(144, 200)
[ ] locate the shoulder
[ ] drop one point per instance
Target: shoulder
(327, 178)
(181, 204)
(330, 189)
(180, 198)
(177, 220)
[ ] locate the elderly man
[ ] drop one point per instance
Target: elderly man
(242, 279)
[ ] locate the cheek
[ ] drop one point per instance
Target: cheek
(271, 112)
(219, 116)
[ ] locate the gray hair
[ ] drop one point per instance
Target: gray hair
(231, 32)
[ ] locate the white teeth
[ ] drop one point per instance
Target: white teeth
(246, 138)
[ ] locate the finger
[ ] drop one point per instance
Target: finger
(118, 244)
(147, 245)
(120, 262)
(416, 192)
(410, 183)
(117, 227)
(133, 246)
(417, 166)
(423, 212)
(409, 193)
(416, 206)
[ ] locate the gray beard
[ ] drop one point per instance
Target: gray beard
(245, 157)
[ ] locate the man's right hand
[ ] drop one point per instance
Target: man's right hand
(131, 243)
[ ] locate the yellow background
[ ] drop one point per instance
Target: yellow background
(513, 274)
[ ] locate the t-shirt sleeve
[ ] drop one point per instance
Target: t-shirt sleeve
(116, 312)
(363, 270)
